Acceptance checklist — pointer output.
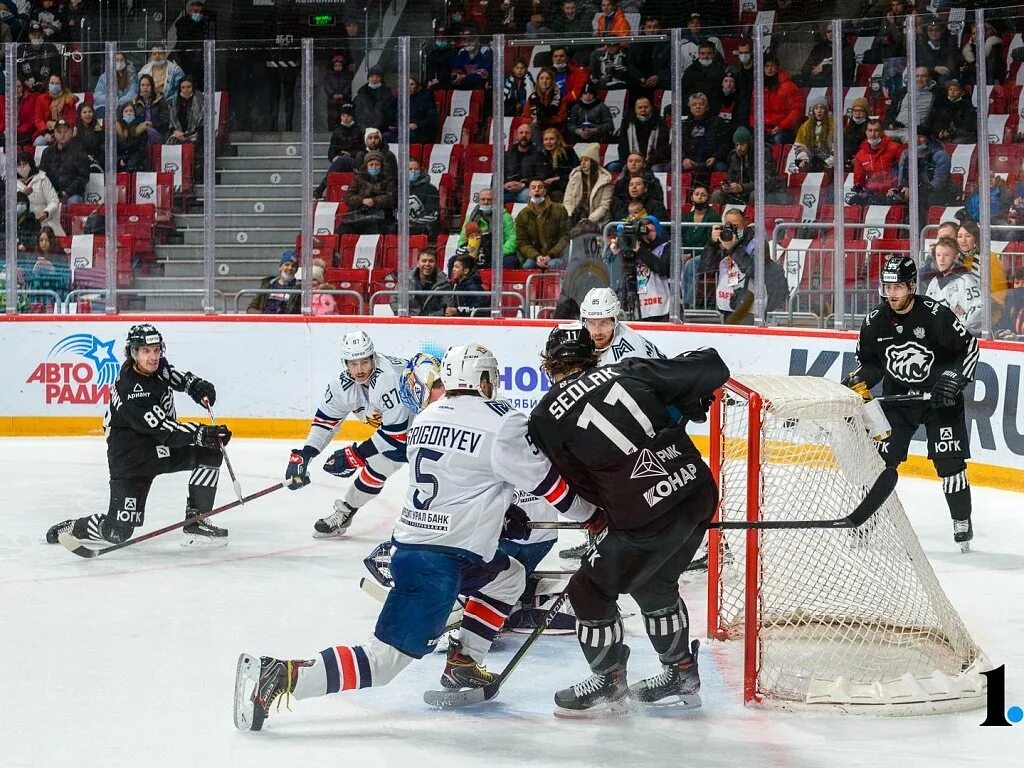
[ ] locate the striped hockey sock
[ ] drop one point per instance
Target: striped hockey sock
(669, 631)
(601, 642)
(336, 669)
(482, 619)
(958, 495)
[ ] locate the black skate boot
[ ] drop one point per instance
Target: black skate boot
(54, 533)
(678, 685)
(202, 534)
(258, 682)
(336, 524)
(597, 696)
(963, 532)
(461, 671)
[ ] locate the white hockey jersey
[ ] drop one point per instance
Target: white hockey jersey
(628, 343)
(467, 455)
(961, 292)
(375, 403)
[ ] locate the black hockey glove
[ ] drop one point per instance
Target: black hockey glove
(296, 475)
(517, 524)
(345, 463)
(947, 388)
(200, 389)
(855, 380)
(213, 436)
(696, 410)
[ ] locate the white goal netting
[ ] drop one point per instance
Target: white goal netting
(841, 617)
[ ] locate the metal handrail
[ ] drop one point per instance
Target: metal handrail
(73, 296)
(298, 291)
(440, 293)
(57, 302)
(528, 290)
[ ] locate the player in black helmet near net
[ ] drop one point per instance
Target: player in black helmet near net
(608, 430)
(915, 345)
(145, 439)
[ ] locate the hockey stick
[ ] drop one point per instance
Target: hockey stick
(922, 397)
(231, 472)
(77, 547)
(466, 697)
(379, 593)
(872, 501)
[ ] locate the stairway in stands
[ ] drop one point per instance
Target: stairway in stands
(259, 214)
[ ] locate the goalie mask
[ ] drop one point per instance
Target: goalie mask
(420, 376)
(466, 366)
(143, 335)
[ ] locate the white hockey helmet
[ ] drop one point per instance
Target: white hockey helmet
(419, 377)
(356, 345)
(464, 366)
(599, 303)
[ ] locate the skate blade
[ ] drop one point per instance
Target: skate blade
(681, 702)
(332, 535)
(617, 708)
(965, 547)
(204, 542)
(247, 674)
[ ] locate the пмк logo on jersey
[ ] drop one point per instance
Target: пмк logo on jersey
(647, 465)
(910, 362)
(79, 370)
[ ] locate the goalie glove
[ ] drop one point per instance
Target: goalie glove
(345, 463)
(200, 389)
(517, 524)
(948, 388)
(297, 474)
(212, 436)
(855, 380)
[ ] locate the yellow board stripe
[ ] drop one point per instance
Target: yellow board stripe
(990, 475)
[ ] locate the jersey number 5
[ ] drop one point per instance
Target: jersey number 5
(616, 394)
(424, 478)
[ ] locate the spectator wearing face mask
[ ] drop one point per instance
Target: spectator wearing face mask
(39, 60)
(269, 301)
(874, 167)
(28, 224)
(375, 104)
(542, 230)
(126, 85)
(482, 216)
(166, 74)
(705, 76)
(424, 202)
(132, 141)
(58, 103)
(194, 26)
(570, 78)
(44, 203)
(371, 199)
(855, 131)
(744, 83)
(438, 65)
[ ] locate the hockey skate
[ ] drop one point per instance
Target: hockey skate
(963, 532)
(258, 682)
(598, 695)
(202, 534)
(336, 524)
(461, 671)
(54, 533)
(678, 685)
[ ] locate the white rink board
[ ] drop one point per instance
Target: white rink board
(277, 368)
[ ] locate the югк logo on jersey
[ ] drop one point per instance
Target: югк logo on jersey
(910, 362)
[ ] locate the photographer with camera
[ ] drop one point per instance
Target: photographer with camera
(643, 248)
(731, 254)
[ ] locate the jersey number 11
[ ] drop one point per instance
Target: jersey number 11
(616, 394)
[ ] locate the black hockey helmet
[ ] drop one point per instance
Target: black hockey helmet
(142, 335)
(898, 269)
(570, 343)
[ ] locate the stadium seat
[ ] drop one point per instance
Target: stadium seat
(361, 251)
(356, 280)
(478, 158)
(324, 247)
(389, 253)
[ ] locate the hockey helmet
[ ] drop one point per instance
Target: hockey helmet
(419, 377)
(571, 343)
(356, 345)
(143, 335)
(465, 366)
(600, 303)
(898, 269)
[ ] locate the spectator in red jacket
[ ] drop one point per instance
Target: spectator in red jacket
(570, 77)
(26, 113)
(612, 20)
(57, 103)
(783, 111)
(874, 167)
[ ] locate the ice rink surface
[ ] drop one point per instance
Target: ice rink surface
(129, 659)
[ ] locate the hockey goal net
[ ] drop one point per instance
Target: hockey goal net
(840, 617)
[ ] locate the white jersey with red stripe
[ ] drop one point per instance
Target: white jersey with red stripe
(375, 403)
(467, 455)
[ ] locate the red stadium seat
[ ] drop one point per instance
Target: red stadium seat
(356, 280)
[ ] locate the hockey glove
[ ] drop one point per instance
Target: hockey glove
(597, 522)
(297, 474)
(696, 410)
(200, 389)
(345, 463)
(213, 436)
(517, 524)
(855, 380)
(947, 388)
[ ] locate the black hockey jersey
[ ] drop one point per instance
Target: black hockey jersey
(142, 424)
(907, 353)
(608, 432)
